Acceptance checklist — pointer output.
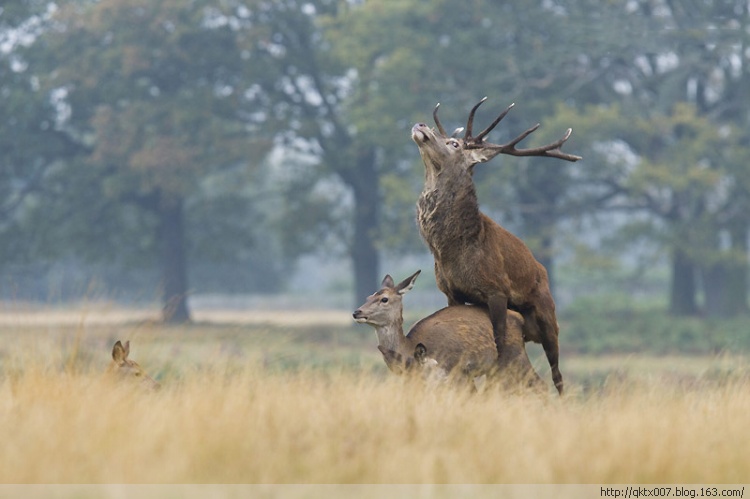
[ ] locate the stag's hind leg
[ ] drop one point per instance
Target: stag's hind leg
(516, 370)
(552, 350)
(540, 326)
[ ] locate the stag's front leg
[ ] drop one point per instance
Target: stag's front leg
(498, 309)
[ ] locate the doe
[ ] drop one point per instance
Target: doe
(455, 342)
(124, 369)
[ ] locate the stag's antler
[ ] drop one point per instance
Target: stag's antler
(437, 121)
(470, 142)
(478, 139)
(550, 150)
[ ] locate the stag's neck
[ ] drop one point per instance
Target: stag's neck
(392, 337)
(448, 212)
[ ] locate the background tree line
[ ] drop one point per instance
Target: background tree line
(227, 138)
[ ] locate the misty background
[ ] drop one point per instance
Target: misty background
(257, 153)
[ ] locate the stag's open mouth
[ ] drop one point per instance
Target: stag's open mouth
(418, 134)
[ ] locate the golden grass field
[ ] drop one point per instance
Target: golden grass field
(276, 399)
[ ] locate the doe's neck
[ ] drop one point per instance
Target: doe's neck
(391, 337)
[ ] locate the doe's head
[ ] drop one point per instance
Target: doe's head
(126, 370)
(385, 306)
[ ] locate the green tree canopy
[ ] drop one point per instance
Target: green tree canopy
(156, 93)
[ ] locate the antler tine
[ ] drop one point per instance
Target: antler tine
(550, 150)
(437, 121)
(470, 122)
(512, 143)
(487, 130)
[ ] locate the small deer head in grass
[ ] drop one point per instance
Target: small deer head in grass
(126, 370)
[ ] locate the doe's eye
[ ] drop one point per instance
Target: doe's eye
(384, 299)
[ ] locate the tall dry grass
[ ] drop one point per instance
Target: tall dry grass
(252, 426)
(227, 413)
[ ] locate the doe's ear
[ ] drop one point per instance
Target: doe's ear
(120, 352)
(420, 352)
(387, 282)
(408, 283)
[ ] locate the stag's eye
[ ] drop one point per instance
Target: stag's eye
(384, 300)
(454, 143)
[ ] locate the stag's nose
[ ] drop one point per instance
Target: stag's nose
(418, 133)
(356, 313)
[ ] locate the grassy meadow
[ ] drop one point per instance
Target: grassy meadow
(305, 398)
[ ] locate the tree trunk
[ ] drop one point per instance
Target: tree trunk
(683, 287)
(538, 198)
(714, 288)
(735, 296)
(171, 239)
(725, 282)
(364, 250)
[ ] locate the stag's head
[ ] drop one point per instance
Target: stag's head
(441, 151)
(126, 370)
(385, 307)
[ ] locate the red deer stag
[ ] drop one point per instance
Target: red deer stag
(454, 342)
(476, 260)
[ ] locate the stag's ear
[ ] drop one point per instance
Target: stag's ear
(387, 282)
(408, 283)
(482, 155)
